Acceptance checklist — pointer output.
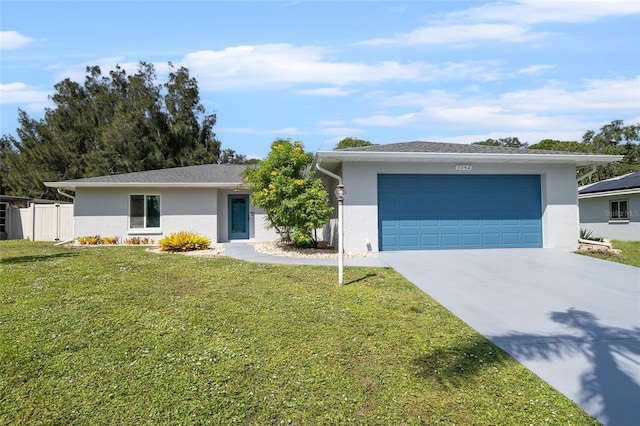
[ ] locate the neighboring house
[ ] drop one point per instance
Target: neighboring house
(209, 199)
(404, 196)
(423, 195)
(611, 208)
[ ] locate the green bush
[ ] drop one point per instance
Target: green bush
(302, 239)
(184, 241)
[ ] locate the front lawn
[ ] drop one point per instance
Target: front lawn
(630, 253)
(118, 335)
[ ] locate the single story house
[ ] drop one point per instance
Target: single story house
(611, 208)
(425, 195)
(209, 199)
(403, 196)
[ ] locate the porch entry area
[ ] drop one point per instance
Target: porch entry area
(238, 217)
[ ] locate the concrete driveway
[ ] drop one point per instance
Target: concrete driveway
(571, 319)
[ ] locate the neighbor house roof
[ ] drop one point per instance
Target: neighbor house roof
(438, 151)
(206, 175)
(619, 185)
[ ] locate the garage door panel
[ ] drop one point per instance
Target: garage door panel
(452, 211)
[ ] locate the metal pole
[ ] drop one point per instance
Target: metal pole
(340, 242)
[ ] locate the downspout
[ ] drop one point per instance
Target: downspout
(586, 175)
(327, 172)
(596, 243)
(61, 192)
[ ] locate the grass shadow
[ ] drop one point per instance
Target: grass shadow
(363, 278)
(34, 258)
(457, 364)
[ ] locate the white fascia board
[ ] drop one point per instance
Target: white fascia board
(74, 185)
(578, 160)
(610, 193)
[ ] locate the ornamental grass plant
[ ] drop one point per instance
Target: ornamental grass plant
(184, 241)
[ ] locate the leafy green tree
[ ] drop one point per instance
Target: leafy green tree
(114, 123)
(229, 156)
(295, 202)
(613, 139)
(509, 142)
(352, 143)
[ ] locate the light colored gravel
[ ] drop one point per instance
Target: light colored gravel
(216, 250)
(287, 250)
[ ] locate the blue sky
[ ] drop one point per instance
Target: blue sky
(319, 71)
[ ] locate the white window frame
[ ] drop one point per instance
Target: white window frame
(619, 219)
(145, 229)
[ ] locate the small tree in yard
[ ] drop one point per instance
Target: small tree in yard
(295, 202)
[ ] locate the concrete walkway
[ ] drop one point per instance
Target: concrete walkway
(572, 320)
(245, 251)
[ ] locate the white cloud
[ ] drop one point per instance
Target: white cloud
(271, 66)
(20, 93)
(460, 34)
(326, 91)
(77, 72)
(536, 11)
(536, 114)
(508, 22)
(533, 69)
(13, 40)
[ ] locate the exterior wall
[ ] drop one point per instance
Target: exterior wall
(257, 216)
(105, 211)
(594, 216)
(559, 198)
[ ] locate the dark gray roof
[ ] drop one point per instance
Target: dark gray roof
(630, 181)
(455, 148)
(206, 173)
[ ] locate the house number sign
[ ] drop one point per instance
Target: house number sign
(463, 167)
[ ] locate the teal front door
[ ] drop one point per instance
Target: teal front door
(238, 217)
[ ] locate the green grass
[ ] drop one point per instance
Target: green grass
(630, 253)
(118, 335)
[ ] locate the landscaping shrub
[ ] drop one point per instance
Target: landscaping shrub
(89, 240)
(137, 240)
(184, 241)
(92, 240)
(302, 239)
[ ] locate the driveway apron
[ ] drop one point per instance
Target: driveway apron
(572, 320)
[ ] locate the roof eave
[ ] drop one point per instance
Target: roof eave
(74, 185)
(578, 160)
(610, 193)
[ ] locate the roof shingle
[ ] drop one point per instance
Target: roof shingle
(206, 173)
(630, 181)
(455, 148)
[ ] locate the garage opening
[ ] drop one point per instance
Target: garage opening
(423, 212)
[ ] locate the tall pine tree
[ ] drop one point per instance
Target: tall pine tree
(115, 123)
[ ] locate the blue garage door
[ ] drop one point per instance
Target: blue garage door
(421, 212)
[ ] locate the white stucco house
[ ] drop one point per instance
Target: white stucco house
(209, 199)
(424, 195)
(611, 208)
(403, 196)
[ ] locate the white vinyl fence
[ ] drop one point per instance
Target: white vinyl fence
(42, 222)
